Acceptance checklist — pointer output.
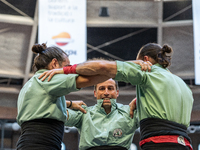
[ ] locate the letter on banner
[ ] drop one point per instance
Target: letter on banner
(196, 29)
(62, 23)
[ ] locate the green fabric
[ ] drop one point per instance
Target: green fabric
(160, 94)
(45, 99)
(97, 128)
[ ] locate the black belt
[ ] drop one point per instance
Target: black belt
(107, 148)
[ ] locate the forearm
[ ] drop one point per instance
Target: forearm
(97, 67)
(85, 81)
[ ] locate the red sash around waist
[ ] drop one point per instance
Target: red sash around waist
(167, 139)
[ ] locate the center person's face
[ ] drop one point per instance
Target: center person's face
(106, 91)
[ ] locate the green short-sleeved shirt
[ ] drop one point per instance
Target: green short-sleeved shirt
(97, 128)
(160, 94)
(45, 99)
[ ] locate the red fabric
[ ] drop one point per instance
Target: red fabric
(135, 101)
(70, 69)
(166, 139)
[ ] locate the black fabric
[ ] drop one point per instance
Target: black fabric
(107, 148)
(163, 146)
(44, 134)
(150, 127)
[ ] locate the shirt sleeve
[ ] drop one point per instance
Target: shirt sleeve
(135, 120)
(60, 84)
(130, 72)
(74, 119)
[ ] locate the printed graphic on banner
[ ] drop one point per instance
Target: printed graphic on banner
(62, 39)
(62, 23)
(196, 28)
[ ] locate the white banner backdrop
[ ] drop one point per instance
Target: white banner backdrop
(62, 23)
(196, 28)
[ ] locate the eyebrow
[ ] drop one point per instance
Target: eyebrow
(107, 86)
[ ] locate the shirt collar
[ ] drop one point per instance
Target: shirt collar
(41, 71)
(157, 64)
(113, 104)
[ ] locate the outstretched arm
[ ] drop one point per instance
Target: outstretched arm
(97, 67)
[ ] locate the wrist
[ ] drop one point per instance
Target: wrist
(135, 103)
(71, 69)
(69, 104)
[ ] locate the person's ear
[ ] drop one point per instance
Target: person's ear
(146, 58)
(55, 63)
(95, 94)
(117, 93)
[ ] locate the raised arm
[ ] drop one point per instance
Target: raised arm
(97, 67)
(95, 71)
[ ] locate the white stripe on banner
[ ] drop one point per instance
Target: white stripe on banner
(62, 23)
(196, 29)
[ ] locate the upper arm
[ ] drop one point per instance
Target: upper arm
(60, 84)
(130, 72)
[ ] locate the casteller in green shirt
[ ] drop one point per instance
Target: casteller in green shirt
(154, 92)
(97, 128)
(42, 99)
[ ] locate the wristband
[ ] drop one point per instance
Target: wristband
(135, 102)
(70, 104)
(71, 69)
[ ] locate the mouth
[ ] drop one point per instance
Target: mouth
(106, 100)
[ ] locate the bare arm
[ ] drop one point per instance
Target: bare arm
(89, 68)
(97, 67)
(85, 81)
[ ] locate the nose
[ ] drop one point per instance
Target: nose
(106, 92)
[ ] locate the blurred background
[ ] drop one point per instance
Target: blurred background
(116, 29)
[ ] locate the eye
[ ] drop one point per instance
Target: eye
(111, 88)
(101, 88)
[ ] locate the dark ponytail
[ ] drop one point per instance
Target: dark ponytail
(161, 55)
(37, 48)
(164, 56)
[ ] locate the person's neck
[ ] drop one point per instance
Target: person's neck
(107, 109)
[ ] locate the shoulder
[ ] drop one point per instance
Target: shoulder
(124, 108)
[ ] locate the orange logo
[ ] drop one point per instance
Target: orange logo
(62, 38)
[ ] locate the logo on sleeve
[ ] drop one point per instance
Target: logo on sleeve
(117, 133)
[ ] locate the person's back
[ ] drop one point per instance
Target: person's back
(164, 102)
(165, 95)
